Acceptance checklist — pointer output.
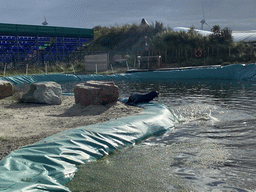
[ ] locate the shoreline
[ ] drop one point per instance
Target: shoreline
(23, 124)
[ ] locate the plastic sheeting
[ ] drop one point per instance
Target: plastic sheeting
(245, 37)
(237, 36)
(22, 79)
(230, 72)
(186, 29)
(50, 163)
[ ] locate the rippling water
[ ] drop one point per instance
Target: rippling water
(212, 148)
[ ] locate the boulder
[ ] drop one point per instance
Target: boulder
(6, 89)
(43, 92)
(96, 93)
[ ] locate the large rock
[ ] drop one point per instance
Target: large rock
(6, 89)
(96, 93)
(43, 92)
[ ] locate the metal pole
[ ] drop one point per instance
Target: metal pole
(36, 56)
(85, 63)
(27, 69)
(4, 69)
(127, 65)
(45, 67)
(112, 68)
(73, 69)
(18, 47)
(56, 50)
(166, 56)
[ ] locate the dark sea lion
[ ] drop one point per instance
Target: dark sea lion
(136, 98)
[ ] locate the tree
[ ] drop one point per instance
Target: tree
(226, 33)
(223, 36)
(216, 30)
(192, 30)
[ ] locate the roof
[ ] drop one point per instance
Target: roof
(244, 36)
(34, 30)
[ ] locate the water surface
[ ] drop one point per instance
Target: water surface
(211, 148)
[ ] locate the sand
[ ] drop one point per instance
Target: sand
(23, 124)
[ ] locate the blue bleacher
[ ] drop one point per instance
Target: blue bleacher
(25, 45)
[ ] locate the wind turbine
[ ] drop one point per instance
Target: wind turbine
(45, 22)
(203, 21)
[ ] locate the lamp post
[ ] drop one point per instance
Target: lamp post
(146, 43)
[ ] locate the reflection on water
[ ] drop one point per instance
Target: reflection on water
(212, 148)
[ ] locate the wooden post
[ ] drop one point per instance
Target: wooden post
(27, 69)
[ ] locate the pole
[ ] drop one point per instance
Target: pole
(127, 65)
(73, 69)
(4, 69)
(27, 69)
(165, 56)
(112, 68)
(45, 68)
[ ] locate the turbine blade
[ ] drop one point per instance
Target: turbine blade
(208, 25)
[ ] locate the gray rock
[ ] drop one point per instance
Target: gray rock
(43, 92)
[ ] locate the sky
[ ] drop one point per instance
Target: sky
(239, 15)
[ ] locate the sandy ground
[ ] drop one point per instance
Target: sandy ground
(26, 123)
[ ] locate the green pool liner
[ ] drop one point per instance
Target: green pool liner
(50, 163)
(230, 72)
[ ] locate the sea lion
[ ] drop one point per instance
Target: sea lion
(136, 98)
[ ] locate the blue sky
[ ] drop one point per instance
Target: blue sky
(239, 15)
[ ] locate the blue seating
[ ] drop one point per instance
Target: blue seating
(59, 47)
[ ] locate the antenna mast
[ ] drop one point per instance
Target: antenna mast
(45, 22)
(203, 20)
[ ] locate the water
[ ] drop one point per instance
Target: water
(212, 148)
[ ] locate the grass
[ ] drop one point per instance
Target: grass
(64, 68)
(36, 70)
(3, 139)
